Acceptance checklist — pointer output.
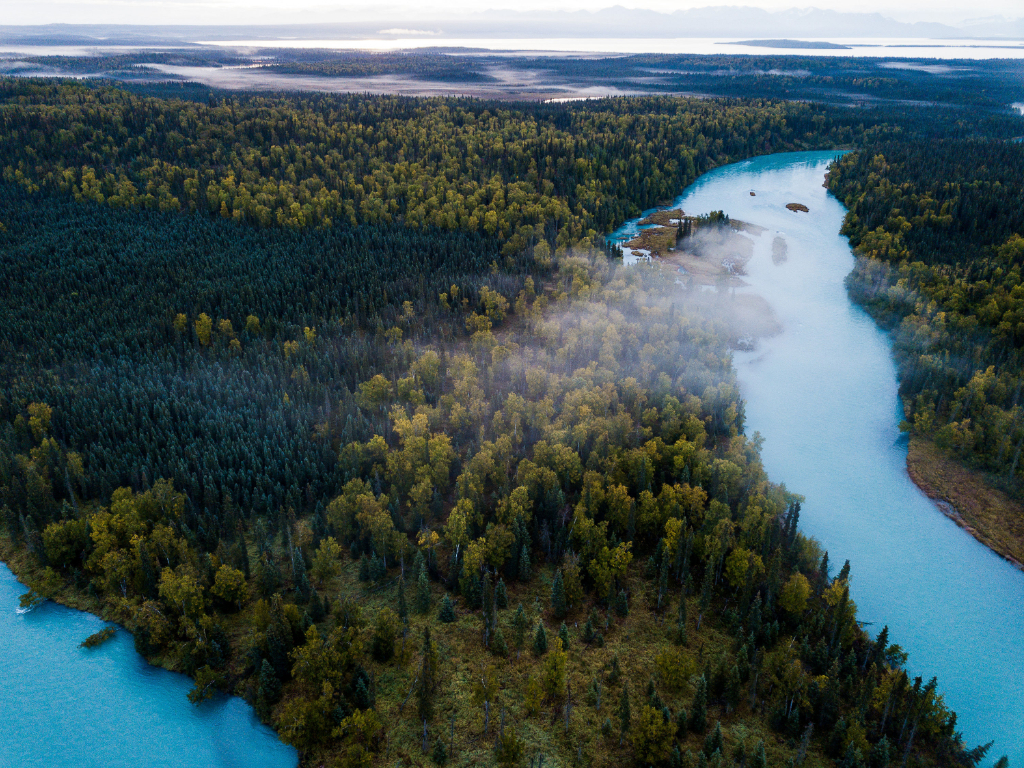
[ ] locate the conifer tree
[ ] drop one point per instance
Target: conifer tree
(624, 713)
(563, 635)
(524, 564)
(713, 743)
(615, 672)
(425, 688)
(447, 612)
(488, 614)
(852, 757)
(439, 754)
(705, 594)
(268, 691)
(317, 608)
(558, 596)
(622, 603)
(501, 595)
(519, 627)
(699, 708)
(760, 758)
(403, 606)
(681, 635)
(498, 645)
(588, 632)
(423, 591)
(362, 698)
(540, 640)
(662, 581)
(881, 754)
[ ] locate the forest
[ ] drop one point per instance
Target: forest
(448, 163)
(938, 226)
(341, 405)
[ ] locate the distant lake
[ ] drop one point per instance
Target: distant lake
(874, 47)
(899, 48)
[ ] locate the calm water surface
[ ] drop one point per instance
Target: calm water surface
(823, 395)
(106, 707)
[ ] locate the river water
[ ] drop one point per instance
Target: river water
(106, 707)
(823, 394)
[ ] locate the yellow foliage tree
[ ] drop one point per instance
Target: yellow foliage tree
(204, 329)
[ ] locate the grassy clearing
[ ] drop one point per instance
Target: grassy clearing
(637, 639)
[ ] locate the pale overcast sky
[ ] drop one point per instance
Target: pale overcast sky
(305, 11)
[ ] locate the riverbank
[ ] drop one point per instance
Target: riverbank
(964, 496)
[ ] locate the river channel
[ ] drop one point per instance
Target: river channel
(823, 394)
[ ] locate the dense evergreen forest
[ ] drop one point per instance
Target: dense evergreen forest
(939, 225)
(569, 172)
(338, 404)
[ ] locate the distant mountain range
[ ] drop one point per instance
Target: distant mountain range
(713, 22)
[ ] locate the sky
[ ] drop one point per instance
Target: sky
(394, 12)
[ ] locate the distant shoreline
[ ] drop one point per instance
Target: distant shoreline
(810, 44)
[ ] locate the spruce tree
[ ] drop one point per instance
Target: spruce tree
(423, 591)
(563, 635)
(501, 595)
(705, 591)
(822, 579)
(624, 713)
(268, 691)
(881, 754)
(558, 596)
(361, 696)
(615, 672)
(837, 739)
(498, 645)
(588, 632)
(439, 754)
(299, 576)
(447, 612)
(662, 581)
(487, 615)
(317, 608)
(519, 627)
(425, 690)
(713, 743)
(852, 757)
(403, 606)
(540, 640)
(524, 564)
(622, 603)
(699, 708)
(760, 758)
